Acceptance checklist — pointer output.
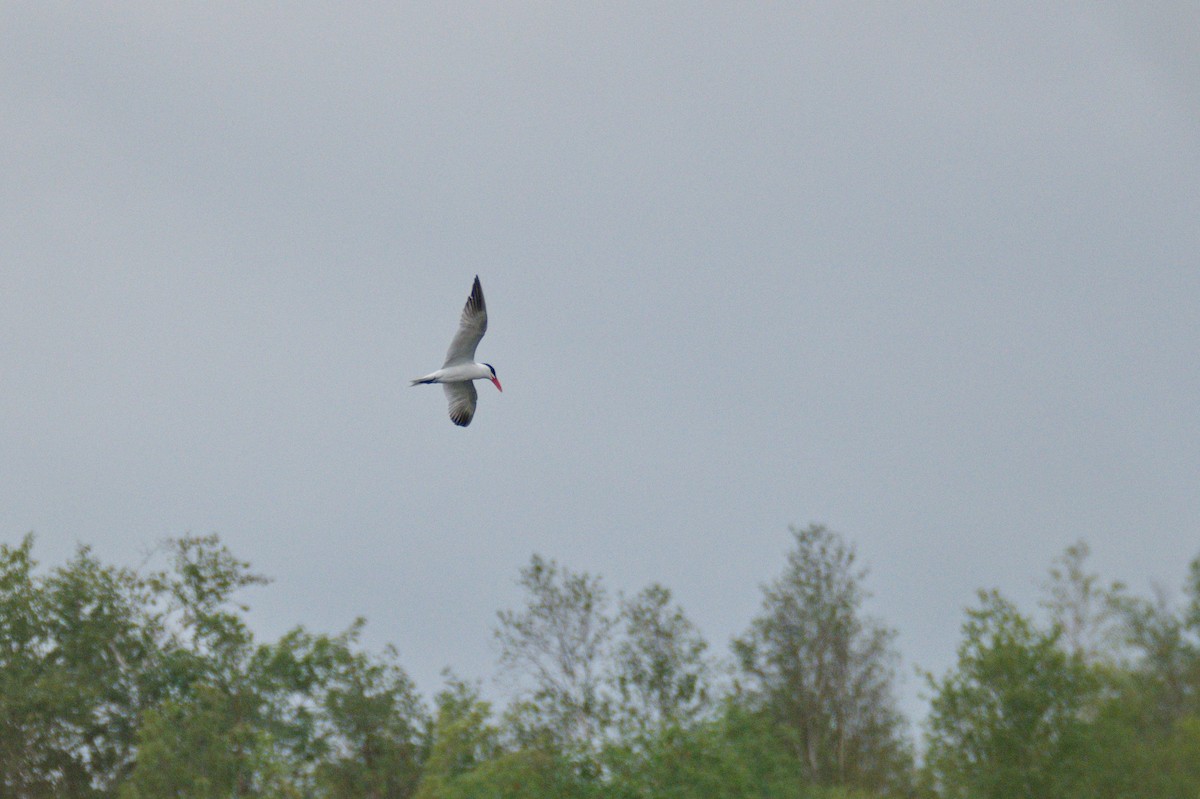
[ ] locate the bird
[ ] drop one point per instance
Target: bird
(460, 369)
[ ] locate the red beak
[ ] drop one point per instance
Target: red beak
(497, 382)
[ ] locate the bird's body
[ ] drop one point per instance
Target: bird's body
(460, 368)
(456, 374)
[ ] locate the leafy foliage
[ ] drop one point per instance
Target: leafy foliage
(559, 645)
(74, 648)
(470, 758)
(1086, 612)
(823, 670)
(112, 683)
(115, 683)
(660, 672)
(1007, 721)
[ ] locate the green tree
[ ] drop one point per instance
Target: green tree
(203, 737)
(660, 672)
(1166, 643)
(378, 726)
(468, 759)
(1008, 720)
(1087, 612)
(75, 647)
(207, 746)
(736, 753)
(1145, 738)
(104, 641)
(206, 638)
(556, 650)
(823, 670)
(31, 741)
(346, 722)
(463, 738)
(112, 683)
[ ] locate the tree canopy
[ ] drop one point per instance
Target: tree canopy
(135, 684)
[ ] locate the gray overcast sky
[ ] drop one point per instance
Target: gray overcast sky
(926, 274)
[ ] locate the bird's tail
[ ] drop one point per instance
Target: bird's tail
(421, 380)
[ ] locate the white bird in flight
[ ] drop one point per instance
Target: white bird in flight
(460, 368)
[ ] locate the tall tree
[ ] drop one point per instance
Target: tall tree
(824, 670)
(469, 757)
(204, 737)
(462, 740)
(556, 650)
(378, 726)
(1087, 612)
(1166, 641)
(75, 648)
(660, 671)
(734, 753)
(1147, 731)
(1007, 721)
(104, 637)
(206, 745)
(207, 638)
(31, 751)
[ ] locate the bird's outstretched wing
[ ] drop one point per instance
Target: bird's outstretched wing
(470, 329)
(462, 397)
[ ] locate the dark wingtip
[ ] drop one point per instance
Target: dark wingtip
(461, 416)
(475, 301)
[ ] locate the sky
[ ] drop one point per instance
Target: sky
(928, 274)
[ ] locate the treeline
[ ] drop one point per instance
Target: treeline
(149, 684)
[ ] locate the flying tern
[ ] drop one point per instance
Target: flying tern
(460, 368)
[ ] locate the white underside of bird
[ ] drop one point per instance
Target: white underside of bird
(460, 369)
